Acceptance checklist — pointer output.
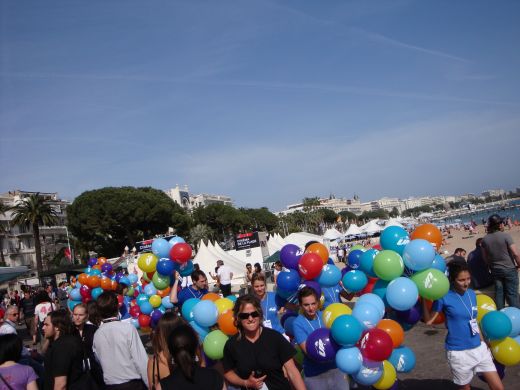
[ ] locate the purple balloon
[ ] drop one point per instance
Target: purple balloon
(320, 345)
(344, 270)
(290, 256)
(156, 315)
(107, 267)
(119, 275)
(411, 316)
(92, 262)
(286, 315)
(312, 284)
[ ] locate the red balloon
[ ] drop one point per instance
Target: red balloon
(84, 291)
(120, 300)
(376, 344)
(369, 287)
(180, 252)
(86, 299)
(144, 321)
(378, 247)
(309, 266)
(135, 311)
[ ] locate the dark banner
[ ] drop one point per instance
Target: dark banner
(247, 241)
(146, 245)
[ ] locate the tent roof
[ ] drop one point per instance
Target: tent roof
(302, 238)
(332, 234)
(393, 222)
(353, 230)
(371, 227)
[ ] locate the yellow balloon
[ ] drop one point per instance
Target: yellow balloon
(224, 304)
(333, 311)
(147, 262)
(484, 305)
(506, 351)
(388, 378)
(155, 300)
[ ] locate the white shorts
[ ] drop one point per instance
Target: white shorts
(465, 364)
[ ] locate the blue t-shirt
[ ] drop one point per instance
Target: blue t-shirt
(331, 295)
(457, 309)
(270, 310)
(303, 327)
(189, 292)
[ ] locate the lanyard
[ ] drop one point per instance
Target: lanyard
(310, 324)
(332, 294)
(192, 293)
(266, 305)
(470, 310)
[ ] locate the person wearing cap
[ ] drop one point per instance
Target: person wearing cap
(501, 255)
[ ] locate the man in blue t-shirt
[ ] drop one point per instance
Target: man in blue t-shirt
(196, 290)
(318, 376)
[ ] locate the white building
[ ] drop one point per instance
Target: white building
(189, 201)
(494, 193)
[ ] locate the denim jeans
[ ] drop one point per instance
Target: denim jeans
(506, 287)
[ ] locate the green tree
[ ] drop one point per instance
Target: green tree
(394, 213)
(261, 219)
(223, 219)
(33, 211)
(348, 216)
(310, 204)
(107, 219)
(200, 232)
(328, 216)
(373, 214)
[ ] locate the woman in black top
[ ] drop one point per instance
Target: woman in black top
(183, 343)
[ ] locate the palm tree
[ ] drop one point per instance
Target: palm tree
(3, 231)
(200, 232)
(33, 211)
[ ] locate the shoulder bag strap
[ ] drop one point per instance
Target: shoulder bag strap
(7, 384)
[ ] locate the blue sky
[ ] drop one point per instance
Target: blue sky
(265, 101)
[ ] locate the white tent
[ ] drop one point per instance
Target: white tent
(332, 234)
(302, 238)
(207, 257)
(353, 230)
(273, 245)
(393, 222)
(371, 227)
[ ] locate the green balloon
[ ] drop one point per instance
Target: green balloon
(432, 283)
(214, 344)
(130, 292)
(388, 265)
(160, 282)
(358, 247)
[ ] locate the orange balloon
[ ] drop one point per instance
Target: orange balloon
(101, 260)
(106, 284)
(164, 292)
(440, 318)
(429, 233)
(319, 249)
(82, 278)
(226, 323)
(394, 330)
(114, 285)
(97, 266)
(210, 296)
(93, 281)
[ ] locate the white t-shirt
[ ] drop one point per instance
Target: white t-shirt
(224, 274)
(42, 309)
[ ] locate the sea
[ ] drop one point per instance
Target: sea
(509, 210)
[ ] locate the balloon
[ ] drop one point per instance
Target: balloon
(74, 294)
(346, 330)
(187, 309)
(214, 343)
(312, 284)
(288, 326)
(514, 316)
(380, 290)
(150, 290)
(84, 291)
(403, 359)
(484, 305)
(160, 281)
(393, 329)
(186, 268)
(439, 263)
(124, 280)
(146, 308)
(96, 292)
(367, 262)
(367, 314)
(210, 297)
(429, 233)
(288, 280)
(70, 304)
(156, 315)
(165, 301)
(506, 351)
(320, 346)
(202, 331)
(164, 292)
(134, 311)
(165, 266)
(226, 323)
(175, 240)
(92, 262)
(205, 313)
(413, 315)
(147, 262)
(388, 378)
(349, 360)
(160, 247)
(319, 249)
(369, 373)
(290, 256)
(223, 305)
(93, 281)
(376, 344)
(394, 238)
(330, 276)
(144, 320)
(354, 281)
(418, 255)
(354, 258)
(310, 266)
(180, 252)
(496, 325)
(141, 298)
(107, 267)
(432, 283)
(155, 301)
(388, 265)
(101, 260)
(333, 311)
(133, 278)
(369, 287)
(373, 299)
(402, 294)
(358, 247)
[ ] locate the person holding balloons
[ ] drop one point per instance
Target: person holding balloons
(268, 302)
(318, 375)
(196, 290)
(465, 349)
(256, 357)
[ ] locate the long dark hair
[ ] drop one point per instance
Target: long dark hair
(455, 268)
(183, 343)
(168, 322)
(61, 319)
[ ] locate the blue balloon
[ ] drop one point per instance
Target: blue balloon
(187, 309)
(496, 325)
(186, 269)
(92, 262)
(141, 298)
(367, 314)
(96, 292)
(75, 295)
(166, 302)
(150, 289)
(373, 299)
(175, 240)
(288, 280)
(354, 281)
(288, 326)
(402, 294)
(146, 308)
(439, 263)
(160, 248)
(514, 316)
(369, 373)
(346, 330)
(330, 276)
(379, 289)
(367, 262)
(135, 323)
(124, 280)
(418, 254)
(394, 238)
(284, 294)
(165, 266)
(403, 359)
(330, 261)
(133, 278)
(72, 303)
(96, 272)
(201, 330)
(354, 258)
(205, 313)
(349, 360)
(232, 298)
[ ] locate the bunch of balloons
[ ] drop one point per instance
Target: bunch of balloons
(501, 329)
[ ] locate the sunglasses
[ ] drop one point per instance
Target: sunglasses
(245, 316)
